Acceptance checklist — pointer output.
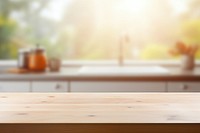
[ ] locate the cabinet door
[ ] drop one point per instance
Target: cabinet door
(118, 87)
(49, 86)
(7, 86)
(184, 87)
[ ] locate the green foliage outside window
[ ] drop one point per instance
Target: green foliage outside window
(8, 48)
(85, 32)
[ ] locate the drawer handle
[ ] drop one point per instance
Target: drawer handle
(184, 87)
(58, 86)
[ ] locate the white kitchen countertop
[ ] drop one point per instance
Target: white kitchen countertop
(72, 73)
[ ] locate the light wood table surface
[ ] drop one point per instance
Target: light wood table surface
(99, 113)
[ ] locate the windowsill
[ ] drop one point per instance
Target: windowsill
(73, 63)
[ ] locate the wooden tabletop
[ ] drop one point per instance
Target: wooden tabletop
(99, 108)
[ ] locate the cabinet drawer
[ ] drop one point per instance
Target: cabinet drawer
(14, 86)
(184, 87)
(118, 87)
(49, 86)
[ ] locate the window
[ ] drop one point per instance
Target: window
(93, 29)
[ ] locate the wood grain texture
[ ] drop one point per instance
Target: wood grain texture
(99, 108)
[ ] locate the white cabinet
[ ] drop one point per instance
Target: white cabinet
(49, 86)
(98, 86)
(118, 86)
(183, 87)
(14, 86)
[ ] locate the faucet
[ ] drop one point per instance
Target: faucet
(123, 40)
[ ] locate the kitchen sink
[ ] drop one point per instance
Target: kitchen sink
(123, 70)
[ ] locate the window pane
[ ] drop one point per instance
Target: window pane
(94, 29)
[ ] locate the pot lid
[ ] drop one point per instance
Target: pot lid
(38, 49)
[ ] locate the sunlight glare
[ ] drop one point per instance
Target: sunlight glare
(133, 6)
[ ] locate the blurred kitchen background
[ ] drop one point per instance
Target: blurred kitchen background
(91, 29)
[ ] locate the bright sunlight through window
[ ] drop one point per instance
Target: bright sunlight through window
(93, 29)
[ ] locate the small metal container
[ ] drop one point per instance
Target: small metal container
(23, 58)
